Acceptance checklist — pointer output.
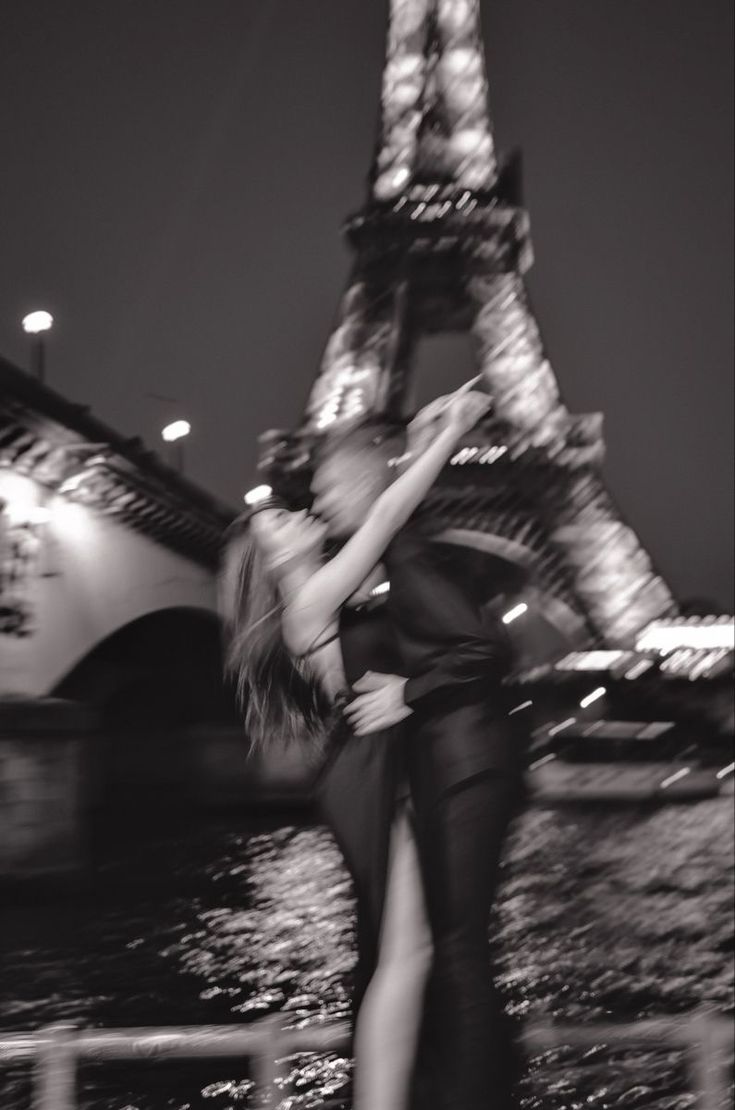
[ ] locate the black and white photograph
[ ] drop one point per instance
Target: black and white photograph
(366, 555)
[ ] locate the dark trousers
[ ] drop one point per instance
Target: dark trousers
(468, 1058)
(356, 797)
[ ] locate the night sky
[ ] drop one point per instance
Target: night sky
(174, 174)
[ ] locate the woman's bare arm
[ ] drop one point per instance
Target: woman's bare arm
(318, 600)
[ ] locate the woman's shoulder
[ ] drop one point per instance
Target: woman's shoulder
(304, 636)
(330, 636)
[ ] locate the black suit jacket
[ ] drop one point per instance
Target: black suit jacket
(455, 654)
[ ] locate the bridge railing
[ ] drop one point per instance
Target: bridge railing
(56, 1050)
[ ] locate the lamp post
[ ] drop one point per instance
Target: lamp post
(176, 432)
(36, 324)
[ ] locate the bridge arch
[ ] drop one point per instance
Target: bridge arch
(163, 668)
(170, 735)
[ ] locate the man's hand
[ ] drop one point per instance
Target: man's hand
(379, 703)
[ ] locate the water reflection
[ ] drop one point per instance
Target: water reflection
(609, 913)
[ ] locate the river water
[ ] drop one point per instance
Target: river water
(605, 913)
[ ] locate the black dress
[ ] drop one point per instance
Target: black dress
(357, 787)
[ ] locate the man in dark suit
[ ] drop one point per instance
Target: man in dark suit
(464, 760)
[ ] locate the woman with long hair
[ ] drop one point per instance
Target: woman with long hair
(293, 657)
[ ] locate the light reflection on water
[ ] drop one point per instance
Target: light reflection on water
(609, 913)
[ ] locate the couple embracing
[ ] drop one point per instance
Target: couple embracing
(421, 768)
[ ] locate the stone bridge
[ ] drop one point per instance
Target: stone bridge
(100, 544)
(111, 686)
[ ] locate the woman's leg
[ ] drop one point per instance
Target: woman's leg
(356, 796)
(390, 1016)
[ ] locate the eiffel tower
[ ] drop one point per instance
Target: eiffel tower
(441, 246)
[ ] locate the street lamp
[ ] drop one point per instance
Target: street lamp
(176, 433)
(36, 324)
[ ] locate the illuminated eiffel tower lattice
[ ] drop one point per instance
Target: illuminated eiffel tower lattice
(440, 246)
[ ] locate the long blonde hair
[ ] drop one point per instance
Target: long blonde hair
(281, 698)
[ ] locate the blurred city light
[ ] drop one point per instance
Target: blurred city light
(593, 697)
(542, 761)
(675, 777)
(178, 429)
(514, 613)
(257, 494)
(564, 724)
(638, 669)
(717, 632)
(36, 322)
(589, 660)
